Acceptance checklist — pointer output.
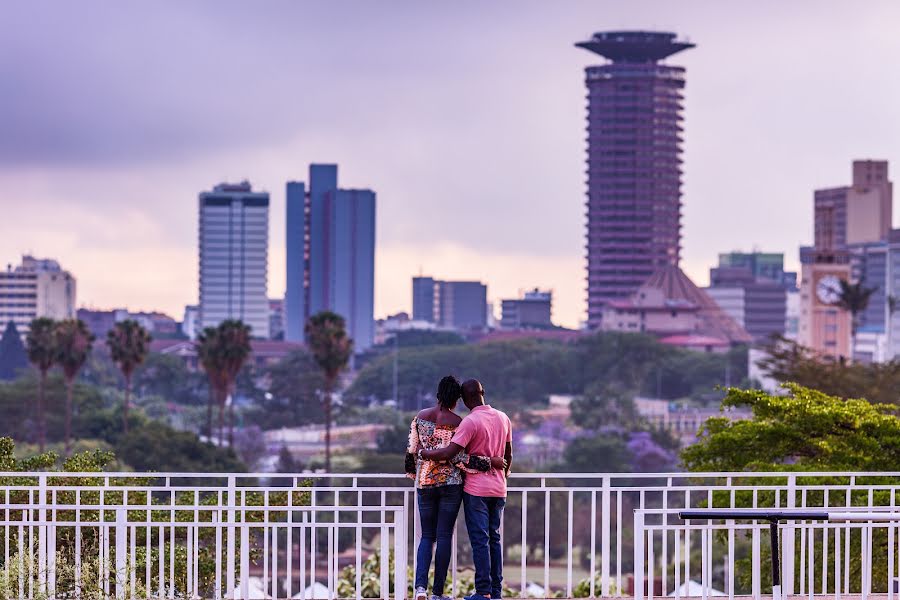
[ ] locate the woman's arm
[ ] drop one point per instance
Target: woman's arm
(412, 447)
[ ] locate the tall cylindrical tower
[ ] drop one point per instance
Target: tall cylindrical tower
(634, 127)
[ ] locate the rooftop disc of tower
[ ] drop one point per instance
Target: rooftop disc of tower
(635, 46)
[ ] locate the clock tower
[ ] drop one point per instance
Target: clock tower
(824, 325)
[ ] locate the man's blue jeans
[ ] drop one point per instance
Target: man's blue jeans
(483, 517)
(438, 508)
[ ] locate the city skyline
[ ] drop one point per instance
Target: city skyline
(450, 123)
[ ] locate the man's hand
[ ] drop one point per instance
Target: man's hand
(499, 463)
(441, 454)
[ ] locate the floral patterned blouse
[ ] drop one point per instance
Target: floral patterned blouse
(427, 435)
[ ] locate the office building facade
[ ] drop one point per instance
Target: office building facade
(634, 147)
(234, 257)
(758, 302)
(460, 305)
(425, 299)
(532, 310)
(860, 213)
(330, 255)
(35, 288)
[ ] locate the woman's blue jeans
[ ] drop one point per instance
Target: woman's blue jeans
(438, 508)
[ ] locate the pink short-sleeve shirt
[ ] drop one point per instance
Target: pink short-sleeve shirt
(485, 431)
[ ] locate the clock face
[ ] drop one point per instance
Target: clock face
(828, 289)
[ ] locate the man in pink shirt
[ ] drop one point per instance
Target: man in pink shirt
(488, 432)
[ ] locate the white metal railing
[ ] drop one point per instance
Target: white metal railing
(851, 551)
(564, 533)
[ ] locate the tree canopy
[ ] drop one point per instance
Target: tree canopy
(529, 370)
(786, 360)
(805, 430)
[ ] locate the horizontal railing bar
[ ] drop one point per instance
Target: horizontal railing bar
(786, 515)
(277, 476)
(204, 524)
(203, 508)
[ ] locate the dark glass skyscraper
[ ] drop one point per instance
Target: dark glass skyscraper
(330, 255)
(634, 127)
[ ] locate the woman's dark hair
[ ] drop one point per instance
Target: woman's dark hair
(449, 392)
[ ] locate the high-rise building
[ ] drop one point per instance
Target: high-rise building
(330, 255)
(35, 288)
(762, 265)
(234, 251)
(458, 305)
(532, 310)
(852, 227)
(856, 214)
(634, 135)
(757, 302)
(424, 299)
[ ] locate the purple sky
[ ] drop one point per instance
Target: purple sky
(467, 119)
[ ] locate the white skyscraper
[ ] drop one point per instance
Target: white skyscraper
(234, 246)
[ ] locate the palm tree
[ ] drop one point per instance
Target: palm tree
(128, 345)
(40, 344)
(326, 335)
(854, 299)
(235, 339)
(207, 353)
(74, 343)
(223, 351)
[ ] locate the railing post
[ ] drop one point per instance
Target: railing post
(605, 505)
(787, 579)
(400, 583)
(42, 535)
(121, 552)
(230, 516)
(638, 555)
(245, 558)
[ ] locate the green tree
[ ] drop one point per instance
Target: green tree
(394, 439)
(287, 463)
(41, 343)
(73, 346)
(223, 350)
(425, 337)
(602, 453)
(128, 344)
(167, 376)
(786, 360)
(290, 398)
(153, 446)
(805, 430)
(13, 357)
(605, 406)
(326, 336)
(854, 299)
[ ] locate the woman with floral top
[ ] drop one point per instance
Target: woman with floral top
(439, 484)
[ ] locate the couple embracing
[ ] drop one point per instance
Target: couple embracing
(457, 461)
